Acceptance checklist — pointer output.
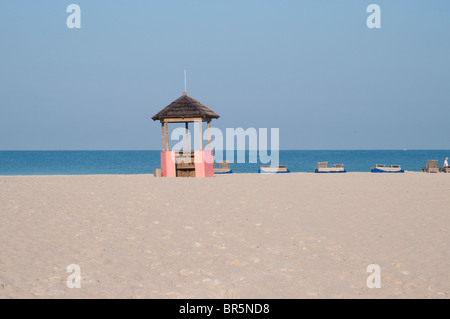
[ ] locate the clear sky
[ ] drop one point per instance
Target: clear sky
(311, 68)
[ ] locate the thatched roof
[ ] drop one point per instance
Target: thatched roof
(185, 107)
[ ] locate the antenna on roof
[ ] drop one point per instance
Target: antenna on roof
(185, 90)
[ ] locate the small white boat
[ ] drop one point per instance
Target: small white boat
(222, 171)
(322, 167)
(381, 168)
(274, 170)
(224, 168)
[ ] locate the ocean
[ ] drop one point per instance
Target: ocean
(143, 162)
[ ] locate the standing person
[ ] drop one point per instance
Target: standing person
(446, 162)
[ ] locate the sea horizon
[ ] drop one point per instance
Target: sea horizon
(93, 162)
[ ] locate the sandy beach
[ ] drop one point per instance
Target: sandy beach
(298, 235)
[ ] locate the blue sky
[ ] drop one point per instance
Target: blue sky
(311, 68)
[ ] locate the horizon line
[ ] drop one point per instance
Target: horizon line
(159, 150)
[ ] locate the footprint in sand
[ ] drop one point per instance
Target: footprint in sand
(238, 262)
(186, 273)
(3, 283)
(214, 283)
(313, 294)
(172, 295)
(403, 272)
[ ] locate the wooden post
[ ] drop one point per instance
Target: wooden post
(209, 134)
(187, 137)
(163, 139)
(201, 134)
(167, 136)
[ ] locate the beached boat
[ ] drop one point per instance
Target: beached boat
(273, 170)
(224, 168)
(322, 167)
(222, 171)
(380, 168)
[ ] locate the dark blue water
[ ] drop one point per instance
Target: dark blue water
(143, 162)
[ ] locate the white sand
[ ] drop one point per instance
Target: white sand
(298, 235)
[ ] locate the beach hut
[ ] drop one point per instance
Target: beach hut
(195, 163)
